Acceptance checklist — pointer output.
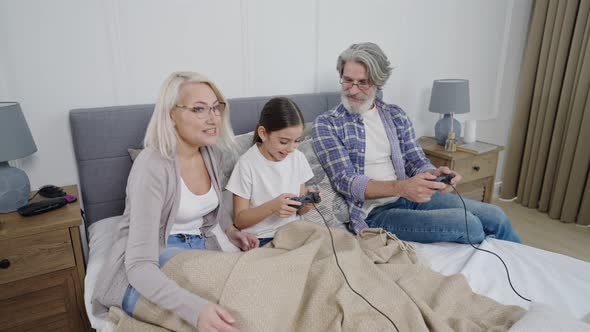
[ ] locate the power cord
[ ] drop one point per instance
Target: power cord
(344, 275)
(35, 195)
(484, 250)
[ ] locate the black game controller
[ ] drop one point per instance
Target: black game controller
(310, 197)
(51, 191)
(444, 178)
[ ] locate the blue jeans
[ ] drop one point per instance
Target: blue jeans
(264, 240)
(176, 244)
(442, 219)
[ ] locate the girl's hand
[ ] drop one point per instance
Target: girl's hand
(280, 205)
(213, 318)
(308, 206)
(242, 240)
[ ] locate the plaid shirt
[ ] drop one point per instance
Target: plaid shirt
(339, 143)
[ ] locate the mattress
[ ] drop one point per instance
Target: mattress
(542, 276)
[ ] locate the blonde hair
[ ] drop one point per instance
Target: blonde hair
(161, 134)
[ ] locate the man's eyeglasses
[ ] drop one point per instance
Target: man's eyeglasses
(203, 111)
(348, 83)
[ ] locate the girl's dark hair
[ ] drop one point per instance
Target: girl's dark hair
(278, 113)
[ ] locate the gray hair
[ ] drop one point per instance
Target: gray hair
(372, 57)
(161, 134)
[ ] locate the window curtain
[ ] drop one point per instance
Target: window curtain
(548, 154)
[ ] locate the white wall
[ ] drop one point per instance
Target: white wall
(64, 54)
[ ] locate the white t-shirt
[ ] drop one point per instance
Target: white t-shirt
(260, 180)
(378, 164)
(191, 210)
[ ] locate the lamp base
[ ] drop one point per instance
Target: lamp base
(443, 127)
(15, 188)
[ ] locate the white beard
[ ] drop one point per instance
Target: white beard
(357, 109)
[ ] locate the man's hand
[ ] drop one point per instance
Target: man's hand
(214, 318)
(445, 170)
(420, 187)
(242, 240)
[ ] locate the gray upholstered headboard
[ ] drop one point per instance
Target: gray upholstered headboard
(101, 137)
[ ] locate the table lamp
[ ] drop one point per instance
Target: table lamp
(449, 97)
(16, 142)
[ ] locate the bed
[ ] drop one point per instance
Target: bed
(102, 137)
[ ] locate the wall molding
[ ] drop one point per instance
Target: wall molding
(316, 65)
(246, 86)
(119, 74)
(503, 59)
(4, 93)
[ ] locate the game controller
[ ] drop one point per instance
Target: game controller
(310, 197)
(444, 178)
(51, 191)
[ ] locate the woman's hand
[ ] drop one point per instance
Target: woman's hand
(242, 240)
(214, 318)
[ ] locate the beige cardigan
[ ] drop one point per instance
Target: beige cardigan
(153, 195)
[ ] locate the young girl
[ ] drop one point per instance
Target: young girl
(271, 172)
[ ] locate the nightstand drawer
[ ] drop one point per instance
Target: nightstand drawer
(43, 303)
(477, 167)
(36, 254)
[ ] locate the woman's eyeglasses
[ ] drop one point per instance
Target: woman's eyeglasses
(203, 111)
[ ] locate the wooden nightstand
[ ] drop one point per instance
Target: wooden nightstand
(478, 171)
(42, 289)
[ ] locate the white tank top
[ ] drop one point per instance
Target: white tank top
(191, 210)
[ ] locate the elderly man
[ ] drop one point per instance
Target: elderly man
(369, 150)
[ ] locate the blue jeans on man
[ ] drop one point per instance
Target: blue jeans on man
(176, 244)
(442, 219)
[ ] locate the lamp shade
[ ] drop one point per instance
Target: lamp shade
(449, 96)
(16, 140)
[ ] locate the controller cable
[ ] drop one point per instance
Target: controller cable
(35, 195)
(344, 275)
(468, 240)
(484, 250)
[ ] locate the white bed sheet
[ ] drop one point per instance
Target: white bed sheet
(544, 277)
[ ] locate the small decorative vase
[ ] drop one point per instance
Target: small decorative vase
(443, 127)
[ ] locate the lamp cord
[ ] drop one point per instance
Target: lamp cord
(35, 195)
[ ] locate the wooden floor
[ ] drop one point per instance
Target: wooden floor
(538, 230)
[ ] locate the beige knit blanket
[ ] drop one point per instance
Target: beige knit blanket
(294, 284)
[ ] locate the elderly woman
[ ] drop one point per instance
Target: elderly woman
(173, 202)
